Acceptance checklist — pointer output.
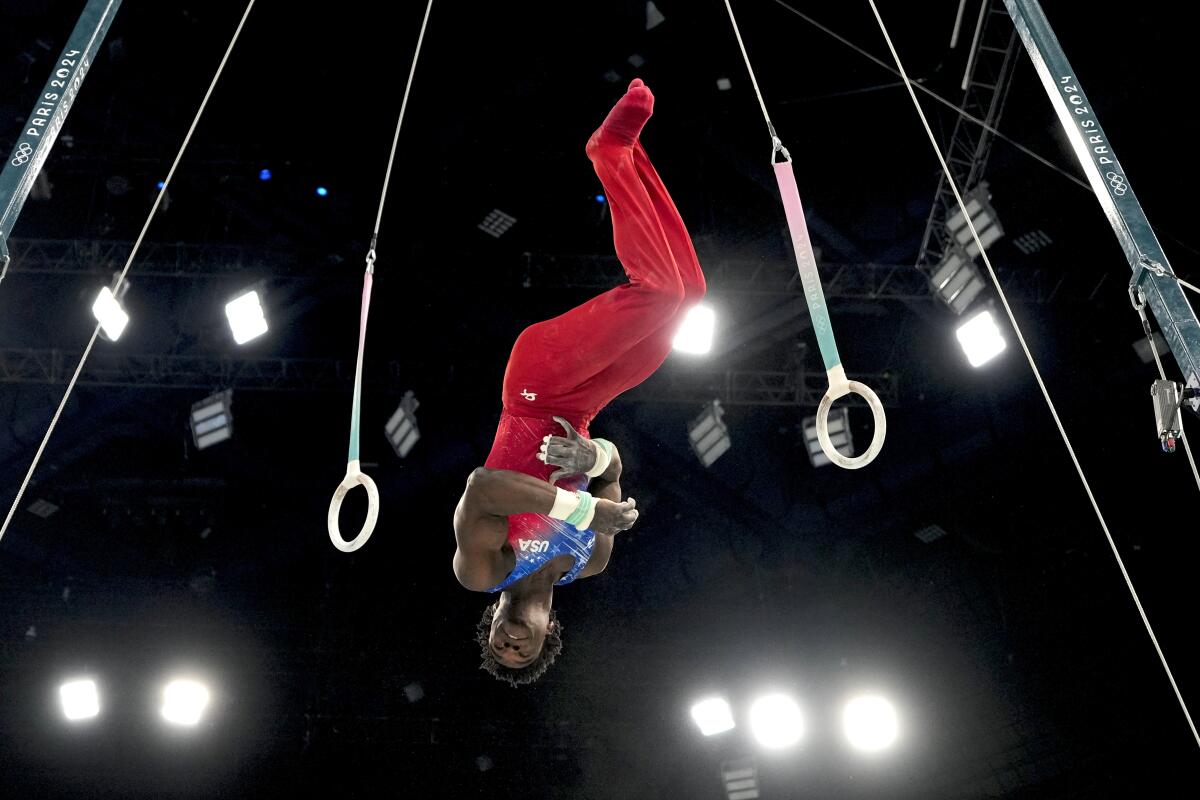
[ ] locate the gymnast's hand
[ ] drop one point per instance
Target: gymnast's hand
(614, 517)
(573, 453)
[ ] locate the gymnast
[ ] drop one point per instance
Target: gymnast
(545, 508)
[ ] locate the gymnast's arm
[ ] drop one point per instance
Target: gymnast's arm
(608, 486)
(481, 522)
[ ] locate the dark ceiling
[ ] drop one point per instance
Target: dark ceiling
(1015, 653)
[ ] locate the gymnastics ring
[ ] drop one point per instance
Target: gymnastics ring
(354, 477)
(839, 387)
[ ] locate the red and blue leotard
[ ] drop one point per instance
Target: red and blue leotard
(576, 363)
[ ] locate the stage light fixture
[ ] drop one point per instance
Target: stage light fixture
(695, 334)
(708, 434)
(212, 419)
(712, 715)
(401, 428)
(110, 314)
(654, 17)
(839, 436)
(184, 702)
(246, 317)
(983, 218)
(80, 699)
(497, 223)
(740, 778)
(776, 721)
(42, 508)
(957, 281)
(981, 339)
(870, 723)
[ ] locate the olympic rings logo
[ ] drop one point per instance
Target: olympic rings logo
(24, 151)
(1117, 181)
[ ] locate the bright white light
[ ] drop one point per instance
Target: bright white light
(246, 318)
(870, 723)
(981, 339)
(184, 702)
(695, 335)
(80, 700)
(776, 721)
(713, 715)
(109, 314)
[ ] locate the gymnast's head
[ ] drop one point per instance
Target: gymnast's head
(518, 644)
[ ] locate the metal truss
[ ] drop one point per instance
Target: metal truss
(732, 387)
(753, 387)
(900, 282)
(762, 277)
(177, 260)
(189, 372)
(732, 276)
(990, 71)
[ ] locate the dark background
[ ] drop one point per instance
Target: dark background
(1011, 647)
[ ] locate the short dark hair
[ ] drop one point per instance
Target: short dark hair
(551, 647)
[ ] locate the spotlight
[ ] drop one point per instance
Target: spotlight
(983, 218)
(695, 335)
(212, 419)
(496, 223)
(981, 339)
(708, 434)
(42, 508)
(713, 715)
(930, 533)
(401, 429)
(109, 313)
(600, 198)
(414, 692)
(80, 699)
(322, 191)
(957, 281)
(776, 721)
(184, 702)
(1033, 241)
(741, 779)
(654, 17)
(160, 185)
(724, 84)
(264, 174)
(870, 723)
(1146, 348)
(246, 318)
(839, 436)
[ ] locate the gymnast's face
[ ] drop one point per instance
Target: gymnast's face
(517, 638)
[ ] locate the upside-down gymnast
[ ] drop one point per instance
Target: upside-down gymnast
(526, 521)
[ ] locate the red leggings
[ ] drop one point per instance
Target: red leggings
(576, 363)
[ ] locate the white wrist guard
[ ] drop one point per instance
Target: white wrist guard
(603, 457)
(565, 504)
(583, 515)
(574, 508)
